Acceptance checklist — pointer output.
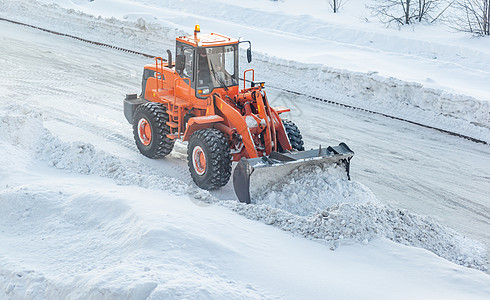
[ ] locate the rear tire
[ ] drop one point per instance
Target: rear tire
(150, 130)
(209, 159)
(294, 135)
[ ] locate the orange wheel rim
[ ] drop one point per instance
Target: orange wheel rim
(199, 160)
(144, 131)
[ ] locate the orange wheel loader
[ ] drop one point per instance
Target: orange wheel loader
(197, 99)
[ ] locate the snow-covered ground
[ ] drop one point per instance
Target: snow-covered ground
(125, 233)
(83, 215)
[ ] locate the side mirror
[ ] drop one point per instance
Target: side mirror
(249, 50)
(179, 63)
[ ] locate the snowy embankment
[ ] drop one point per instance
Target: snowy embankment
(440, 105)
(408, 100)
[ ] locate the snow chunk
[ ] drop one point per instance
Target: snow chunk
(20, 125)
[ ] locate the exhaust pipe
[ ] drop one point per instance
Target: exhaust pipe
(169, 59)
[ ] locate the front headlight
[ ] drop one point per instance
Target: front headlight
(258, 83)
(203, 91)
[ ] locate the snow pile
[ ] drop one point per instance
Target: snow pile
(320, 203)
(362, 223)
(83, 158)
(22, 127)
(311, 188)
(409, 100)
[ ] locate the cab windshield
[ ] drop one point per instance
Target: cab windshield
(217, 67)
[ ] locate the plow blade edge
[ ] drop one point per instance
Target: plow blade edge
(260, 172)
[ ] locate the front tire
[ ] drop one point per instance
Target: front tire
(209, 159)
(150, 130)
(294, 135)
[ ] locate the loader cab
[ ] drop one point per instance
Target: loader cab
(207, 67)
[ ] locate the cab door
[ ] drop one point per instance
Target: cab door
(185, 67)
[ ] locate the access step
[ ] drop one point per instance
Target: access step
(172, 124)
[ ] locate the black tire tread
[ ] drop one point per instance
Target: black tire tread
(218, 161)
(294, 135)
(157, 115)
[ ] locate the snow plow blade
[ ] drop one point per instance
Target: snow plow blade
(260, 172)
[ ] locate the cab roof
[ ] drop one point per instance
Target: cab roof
(207, 40)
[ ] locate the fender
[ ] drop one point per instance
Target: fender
(197, 123)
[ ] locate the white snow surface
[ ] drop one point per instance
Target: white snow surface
(83, 216)
(68, 235)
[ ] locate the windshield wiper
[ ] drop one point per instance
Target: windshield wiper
(219, 79)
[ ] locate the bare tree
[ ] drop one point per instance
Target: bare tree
(472, 16)
(403, 12)
(336, 4)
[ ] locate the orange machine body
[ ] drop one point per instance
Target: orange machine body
(252, 126)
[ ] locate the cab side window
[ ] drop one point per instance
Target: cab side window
(187, 53)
